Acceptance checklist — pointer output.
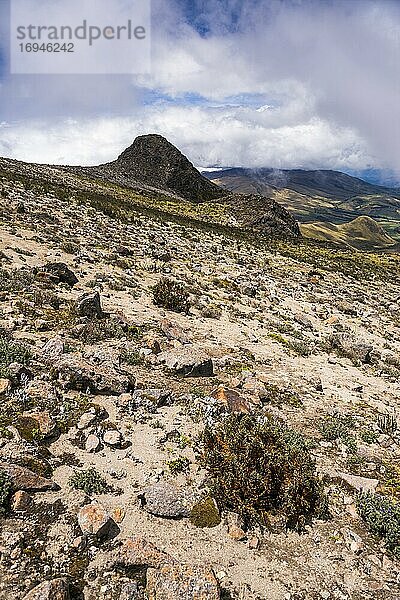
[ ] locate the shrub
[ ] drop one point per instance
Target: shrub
(132, 357)
(178, 465)
(11, 351)
(171, 295)
(260, 469)
(90, 481)
(5, 489)
(382, 517)
(15, 280)
(338, 427)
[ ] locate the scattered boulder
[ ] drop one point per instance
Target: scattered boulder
(231, 399)
(137, 552)
(182, 582)
(188, 363)
(93, 519)
(89, 305)
(59, 273)
(360, 484)
(165, 500)
(46, 425)
(113, 438)
(350, 347)
(53, 349)
(92, 443)
(81, 375)
(173, 331)
(25, 479)
(57, 589)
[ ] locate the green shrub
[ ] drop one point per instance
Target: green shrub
(382, 517)
(171, 295)
(11, 351)
(90, 481)
(15, 280)
(5, 489)
(339, 427)
(276, 396)
(132, 357)
(178, 465)
(260, 469)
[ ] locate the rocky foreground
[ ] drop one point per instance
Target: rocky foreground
(105, 393)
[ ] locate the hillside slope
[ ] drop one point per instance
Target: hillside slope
(363, 233)
(124, 332)
(315, 196)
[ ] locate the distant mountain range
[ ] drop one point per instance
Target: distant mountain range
(318, 196)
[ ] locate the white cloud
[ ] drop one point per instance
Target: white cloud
(226, 136)
(328, 70)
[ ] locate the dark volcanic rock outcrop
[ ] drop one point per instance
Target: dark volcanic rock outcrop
(154, 161)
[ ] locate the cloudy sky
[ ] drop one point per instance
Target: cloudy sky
(277, 83)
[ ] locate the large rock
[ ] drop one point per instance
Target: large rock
(138, 552)
(234, 402)
(79, 374)
(89, 305)
(182, 582)
(351, 347)
(165, 500)
(60, 273)
(25, 479)
(57, 589)
(188, 363)
(93, 519)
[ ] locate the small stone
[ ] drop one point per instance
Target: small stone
(136, 552)
(5, 386)
(57, 589)
(118, 514)
(20, 501)
(79, 543)
(352, 540)
(236, 533)
(85, 420)
(93, 519)
(54, 348)
(112, 437)
(181, 582)
(253, 543)
(92, 443)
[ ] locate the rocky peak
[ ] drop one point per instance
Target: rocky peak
(153, 160)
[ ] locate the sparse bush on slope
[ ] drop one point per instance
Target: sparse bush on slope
(261, 469)
(171, 295)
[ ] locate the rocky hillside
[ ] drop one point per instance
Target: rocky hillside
(190, 411)
(313, 197)
(363, 233)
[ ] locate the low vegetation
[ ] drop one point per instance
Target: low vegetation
(382, 516)
(259, 468)
(90, 482)
(171, 295)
